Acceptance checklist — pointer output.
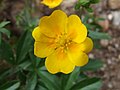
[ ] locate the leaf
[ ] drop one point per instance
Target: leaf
(8, 72)
(23, 46)
(94, 1)
(98, 35)
(6, 52)
(77, 6)
(24, 65)
(88, 84)
(34, 60)
(72, 78)
(89, 9)
(11, 85)
(0, 38)
(2, 24)
(41, 86)
(92, 65)
(51, 81)
(84, 2)
(5, 31)
(31, 81)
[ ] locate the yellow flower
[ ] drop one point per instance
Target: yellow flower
(52, 3)
(63, 40)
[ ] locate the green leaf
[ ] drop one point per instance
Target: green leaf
(98, 35)
(92, 65)
(5, 31)
(24, 45)
(89, 9)
(84, 2)
(34, 60)
(11, 85)
(51, 81)
(2, 24)
(8, 72)
(72, 78)
(88, 84)
(0, 38)
(41, 86)
(6, 52)
(31, 81)
(24, 65)
(94, 1)
(77, 6)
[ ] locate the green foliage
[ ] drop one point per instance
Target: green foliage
(85, 4)
(4, 30)
(88, 84)
(24, 71)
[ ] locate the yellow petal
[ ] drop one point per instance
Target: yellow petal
(51, 3)
(36, 34)
(54, 24)
(59, 62)
(75, 29)
(43, 49)
(87, 45)
(76, 56)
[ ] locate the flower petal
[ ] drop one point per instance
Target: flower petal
(43, 49)
(51, 3)
(75, 29)
(87, 45)
(76, 56)
(36, 33)
(59, 62)
(54, 24)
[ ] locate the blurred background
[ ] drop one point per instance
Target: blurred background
(109, 53)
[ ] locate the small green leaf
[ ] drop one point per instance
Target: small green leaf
(72, 78)
(89, 9)
(98, 35)
(5, 31)
(84, 2)
(2, 24)
(88, 84)
(92, 65)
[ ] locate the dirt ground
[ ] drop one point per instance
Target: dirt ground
(110, 51)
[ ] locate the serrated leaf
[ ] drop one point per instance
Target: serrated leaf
(2, 24)
(92, 65)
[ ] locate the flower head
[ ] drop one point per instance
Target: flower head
(52, 3)
(63, 41)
